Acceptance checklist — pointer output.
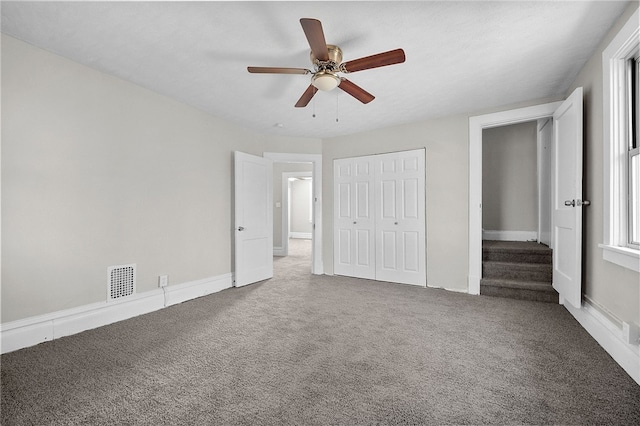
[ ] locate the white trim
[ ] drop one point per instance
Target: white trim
(614, 143)
(191, 290)
(301, 235)
(476, 125)
(510, 235)
(279, 251)
(31, 331)
(317, 266)
(621, 256)
(609, 336)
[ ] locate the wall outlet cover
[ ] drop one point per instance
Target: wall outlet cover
(163, 280)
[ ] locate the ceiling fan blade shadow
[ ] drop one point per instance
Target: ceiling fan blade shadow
(356, 91)
(315, 36)
(306, 96)
(375, 61)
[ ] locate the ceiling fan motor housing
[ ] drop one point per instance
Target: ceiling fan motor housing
(335, 59)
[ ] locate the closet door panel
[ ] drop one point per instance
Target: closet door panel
(401, 218)
(342, 220)
(363, 218)
(411, 250)
(353, 218)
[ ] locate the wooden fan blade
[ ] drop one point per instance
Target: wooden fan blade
(356, 91)
(275, 70)
(375, 61)
(315, 36)
(306, 97)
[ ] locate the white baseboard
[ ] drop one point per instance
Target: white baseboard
(610, 337)
(301, 235)
(278, 251)
(31, 331)
(510, 235)
(194, 289)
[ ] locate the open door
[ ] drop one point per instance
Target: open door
(253, 218)
(567, 199)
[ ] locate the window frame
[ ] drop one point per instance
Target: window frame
(633, 151)
(617, 157)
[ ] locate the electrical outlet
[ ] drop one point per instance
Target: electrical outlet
(163, 280)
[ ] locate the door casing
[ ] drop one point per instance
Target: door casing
(476, 125)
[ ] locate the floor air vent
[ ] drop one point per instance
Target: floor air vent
(121, 281)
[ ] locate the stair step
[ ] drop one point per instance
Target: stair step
(517, 271)
(516, 251)
(524, 290)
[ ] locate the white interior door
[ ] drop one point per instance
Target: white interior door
(253, 218)
(354, 221)
(400, 218)
(567, 199)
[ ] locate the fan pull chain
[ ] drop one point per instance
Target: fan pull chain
(337, 98)
(314, 108)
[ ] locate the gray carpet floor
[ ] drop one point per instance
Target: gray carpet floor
(306, 350)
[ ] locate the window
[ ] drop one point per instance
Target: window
(633, 156)
(621, 201)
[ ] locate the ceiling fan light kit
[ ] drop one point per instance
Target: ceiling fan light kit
(325, 80)
(327, 62)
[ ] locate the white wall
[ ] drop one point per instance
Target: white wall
(300, 206)
(97, 171)
(611, 288)
(509, 178)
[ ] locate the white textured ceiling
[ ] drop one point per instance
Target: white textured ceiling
(461, 56)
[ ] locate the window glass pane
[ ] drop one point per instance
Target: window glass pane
(634, 198)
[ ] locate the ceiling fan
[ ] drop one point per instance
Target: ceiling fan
(327, 63)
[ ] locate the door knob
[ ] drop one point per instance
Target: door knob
(584, 202)
(570, 203)
(240, 228)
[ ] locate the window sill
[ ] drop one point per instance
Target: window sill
(622, 256)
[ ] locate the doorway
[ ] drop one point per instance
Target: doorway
(476, 126)
(293, 209)
(304, 166)
(510, 187)
(516, 195)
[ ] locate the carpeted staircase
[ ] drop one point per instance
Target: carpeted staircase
(517, 270)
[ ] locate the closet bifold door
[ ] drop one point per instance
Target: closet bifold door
(400, 217)
(354, 222)
(379, 217)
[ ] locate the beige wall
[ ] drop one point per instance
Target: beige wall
(509, 178)
(612, 288)
(301, 206)
(97, 171)
(278, 169)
